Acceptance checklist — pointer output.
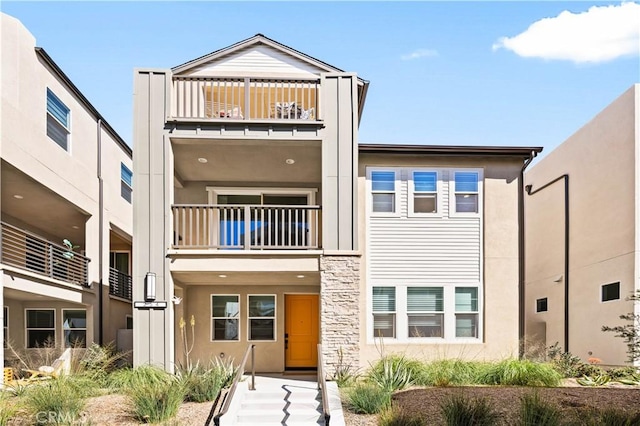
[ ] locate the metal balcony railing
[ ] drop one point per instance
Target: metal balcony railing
(244, 99)
(247, 227)
(120, 284)
(31, 252)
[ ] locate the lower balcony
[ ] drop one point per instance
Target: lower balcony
(120, 284)
(30, 252)
(246, 227)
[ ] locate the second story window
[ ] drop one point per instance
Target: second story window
(126, 184)
(425, 192)
(58, 120)
(383, 191)
(466, 192)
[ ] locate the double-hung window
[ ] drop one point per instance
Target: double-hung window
(225, 317)
(467, 312)
(74, 324)
(41, 327)
(383, 191)
(425, 192)
(126, 182)
(466, 192)
(384, 312)
(425, 311)
(262, 317)
(58, 120)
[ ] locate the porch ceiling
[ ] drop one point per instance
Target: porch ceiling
(247, 278)
(40, 207)
(247, 161)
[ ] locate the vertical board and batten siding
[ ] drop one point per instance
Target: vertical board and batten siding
(425, 250)
(259, 60)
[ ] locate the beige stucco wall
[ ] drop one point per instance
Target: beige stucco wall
(600, 159)
(500, 260)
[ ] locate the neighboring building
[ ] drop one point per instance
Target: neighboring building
(66, 176)
(255, 214)
(583, 235)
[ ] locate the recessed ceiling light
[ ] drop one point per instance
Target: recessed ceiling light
(75, 227)
(202, 160)
(299, 276)
(222, 276)
(18, 196)
(289, 161)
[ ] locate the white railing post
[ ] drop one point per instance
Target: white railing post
(247, 227)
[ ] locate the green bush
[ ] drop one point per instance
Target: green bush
(449, 372)
(520, 373)
(616, 417)
(200, 384)
(63, 396)
(395, 417)
(8, 408)
(127, 378)
(392, 373)
(534, 411)
(157, 402)
(366, 398)
(459, 410)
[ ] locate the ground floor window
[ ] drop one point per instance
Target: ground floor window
(225, 317)
(74, 324)
(420, 313)
(262, 317)
(40, 327)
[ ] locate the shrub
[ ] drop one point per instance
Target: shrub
(395, 417)
(392, 373)
(447, 372)
(63, 396)
(368, 399)
(459, 410)
(200, 384)
(534, 411)
(345, 374)
(623, 373)
(520, 373)
(157, 402)
(127, 378)
(616, 417)
(598, 380)
(8, 408)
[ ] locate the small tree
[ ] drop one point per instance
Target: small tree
(629, 332)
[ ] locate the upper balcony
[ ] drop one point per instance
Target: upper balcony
(196, 98)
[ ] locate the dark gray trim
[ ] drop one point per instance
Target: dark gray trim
(83, 100)
(505, 151)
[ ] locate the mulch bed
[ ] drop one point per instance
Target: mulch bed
(574, 402)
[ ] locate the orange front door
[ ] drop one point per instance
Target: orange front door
(301, 330)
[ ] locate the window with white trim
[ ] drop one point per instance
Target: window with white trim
(40, 327)
(466, 192)
(542, 305)
(611, 292)
(225, 317)
(425, 312)
(262, 317)
(383, 191)
(384, 312)
(126, 182)
(58, 120)
(425, 192)
(74, 325)
(467, 312)
(5, 325)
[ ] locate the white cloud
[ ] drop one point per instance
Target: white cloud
(600, 34)
(419, 53)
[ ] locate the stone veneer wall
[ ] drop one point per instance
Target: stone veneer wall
(339, 315)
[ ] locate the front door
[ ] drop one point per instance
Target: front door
(301, 330)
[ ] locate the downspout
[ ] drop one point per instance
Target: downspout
(100, 234)
(564, 177)
(521, 263)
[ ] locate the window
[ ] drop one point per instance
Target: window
(129, 319)
(383, 187)
(41, 328)
(262, 317)
(425, 192)
(384, 316)
(425, 310)
(58, 120)
(467, 312)
(611, 292)
(466, 192)
(541, 305)
(126, 182)
(74, 324)
(5, 325)
(225, 317)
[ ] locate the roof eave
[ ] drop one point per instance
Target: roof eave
(497, 151)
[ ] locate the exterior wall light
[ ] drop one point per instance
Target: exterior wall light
(150, 287)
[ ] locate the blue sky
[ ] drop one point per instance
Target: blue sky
(457, 73)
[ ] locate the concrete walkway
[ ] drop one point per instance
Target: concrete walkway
(291, 400)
